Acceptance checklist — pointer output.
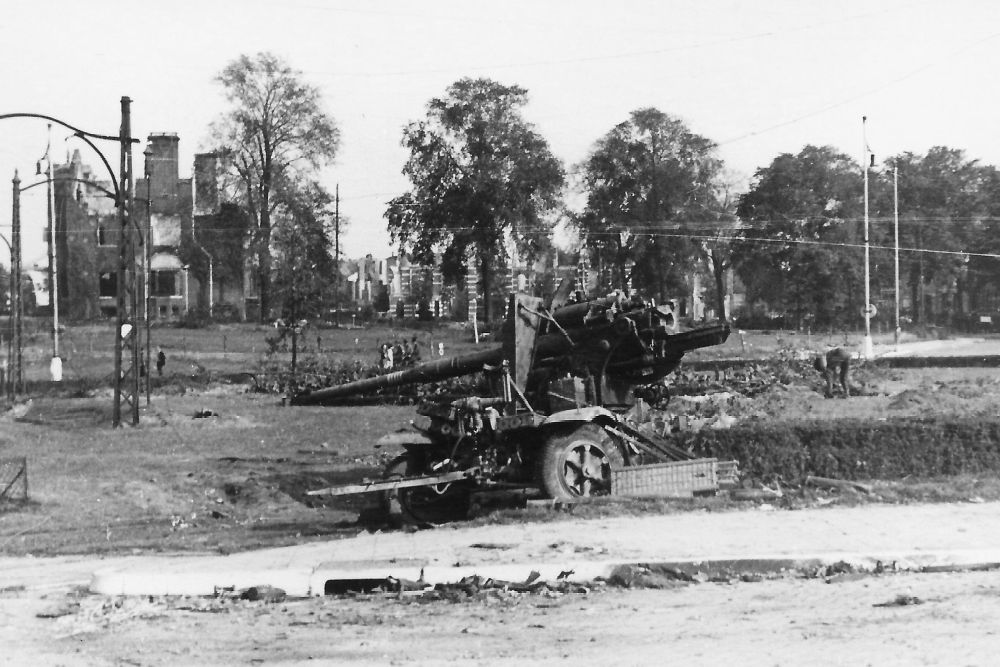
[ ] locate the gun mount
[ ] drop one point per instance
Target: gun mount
(567, 383)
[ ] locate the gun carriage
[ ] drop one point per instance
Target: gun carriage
(568, 412)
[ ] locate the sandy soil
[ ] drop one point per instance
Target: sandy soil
(952, 619)
(46, 617)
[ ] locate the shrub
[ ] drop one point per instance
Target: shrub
(855, 449)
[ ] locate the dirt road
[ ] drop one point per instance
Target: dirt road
(47, 617)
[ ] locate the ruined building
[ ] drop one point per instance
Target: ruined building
(194, 242)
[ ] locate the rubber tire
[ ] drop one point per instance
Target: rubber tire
(404, 507)
(552, 466)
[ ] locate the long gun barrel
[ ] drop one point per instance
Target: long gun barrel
(430, 371)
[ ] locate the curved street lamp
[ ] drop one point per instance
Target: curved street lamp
(126, 375)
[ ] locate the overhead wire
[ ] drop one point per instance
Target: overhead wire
(649, 233)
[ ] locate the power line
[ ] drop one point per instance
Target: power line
(658, 228)
(627, 54)
(870, 91)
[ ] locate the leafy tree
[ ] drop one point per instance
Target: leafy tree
(942, 195)
(718, 224)
(479, 174)
(983, 272)
(304, 266)
(642, 180)
(801, 227)
(276, 130)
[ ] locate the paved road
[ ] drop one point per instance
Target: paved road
(954, 347)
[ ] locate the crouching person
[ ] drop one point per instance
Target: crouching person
(835, 364)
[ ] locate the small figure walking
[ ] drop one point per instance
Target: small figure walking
(831, 364)
(161, 361)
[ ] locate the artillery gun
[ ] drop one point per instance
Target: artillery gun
(570, 386)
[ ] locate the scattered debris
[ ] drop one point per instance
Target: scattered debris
(829, 483)
(20, 410)
(972, 567)
(404, 585)
(492, 545)
(263, 594)
(763, 493)
(477, 587)
(643, 576)
(840, 567)
(60, 610)
(901, 600)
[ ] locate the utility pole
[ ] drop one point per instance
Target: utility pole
(895, 218)
(147, 249)
(868, 351)
(127, 336)
(336, 255)
(16, 305)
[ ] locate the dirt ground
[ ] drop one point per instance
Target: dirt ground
(941, 619)
(234, 480)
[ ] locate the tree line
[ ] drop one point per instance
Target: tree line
(659, 206)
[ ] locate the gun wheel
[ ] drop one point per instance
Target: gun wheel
(578, 464)
(423, 506)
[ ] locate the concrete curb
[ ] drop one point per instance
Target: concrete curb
(205, 576)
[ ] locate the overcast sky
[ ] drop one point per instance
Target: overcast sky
(759, 78)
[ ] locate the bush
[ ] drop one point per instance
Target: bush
(855, 449)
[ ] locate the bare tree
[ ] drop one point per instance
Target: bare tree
(276, 130)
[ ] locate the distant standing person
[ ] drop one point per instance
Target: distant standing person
(835, 363)
(161, 361)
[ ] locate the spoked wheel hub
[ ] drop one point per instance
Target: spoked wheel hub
(587, 470)
(424, 506)
(577, 464)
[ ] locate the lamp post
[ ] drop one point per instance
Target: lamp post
(12, 321)
(868, 351)
(185, 268)
(211, 276)
(126, 367)
(9, 360)
(55, 367)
